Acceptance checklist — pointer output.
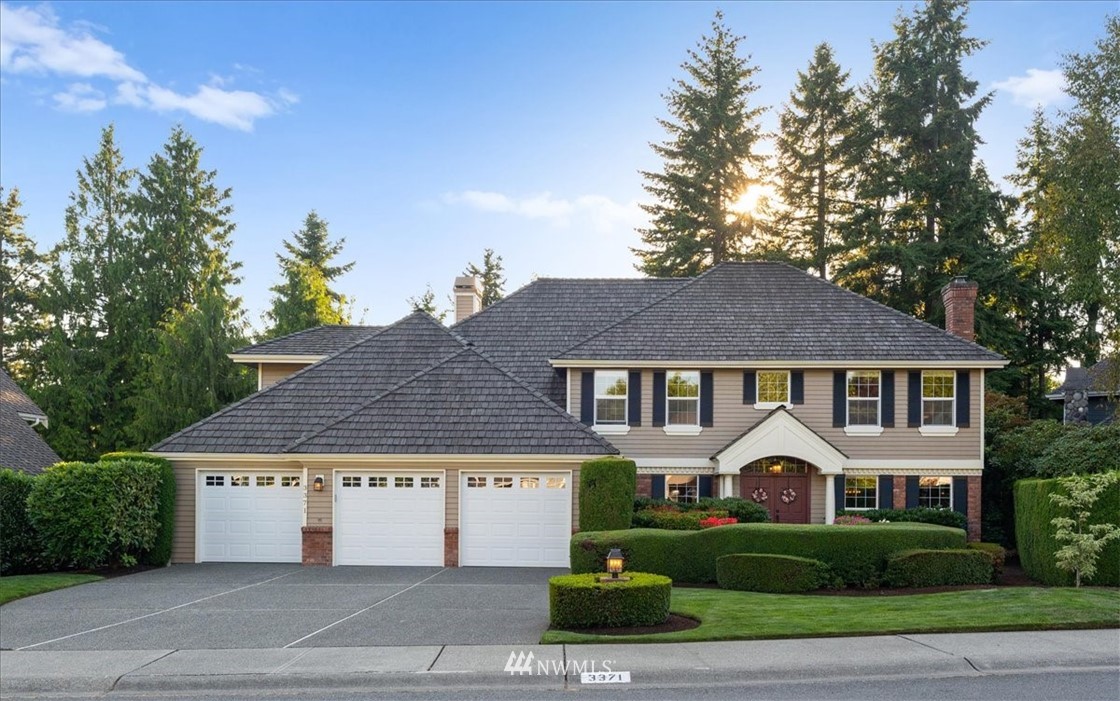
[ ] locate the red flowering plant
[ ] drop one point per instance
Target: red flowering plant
(851, 520)
(714, 521)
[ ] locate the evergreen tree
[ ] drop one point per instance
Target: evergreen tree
(817, 155)
(490, 275)
(427, 303)
(707, 162)
(304, 299)
(22, 277)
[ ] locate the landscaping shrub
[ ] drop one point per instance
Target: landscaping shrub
(998, 554)
(938, 568)
(582, 601)
(96, 514)
(1034, 534)
(920, 514)
(673, 520)
(857, 555)
(160, 552)
(21, 549)
(774, 574)
(742, 509)
(606, 493)
(852, 520)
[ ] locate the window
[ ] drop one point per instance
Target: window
(610, 397)
(351, 481)
(935, 492)
(266, 480)
(938, 393)
(503, 483)
(379, 482)
(530, 482)
(429, 483)
(859, 492)
(476, 482)
(403, 482)
(777, 465)
(863, 398)
(215, 480)
(239, 481)
(773, 387)
(290, 481)
(682, 393)
(682, 488)
(556, 483)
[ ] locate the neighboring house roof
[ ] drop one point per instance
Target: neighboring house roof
(771, 311)
(1103, 378)
(318, 341)
(410, 387)
(21, 448)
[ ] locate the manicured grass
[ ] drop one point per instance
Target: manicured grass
(734, 615)
(20, 585)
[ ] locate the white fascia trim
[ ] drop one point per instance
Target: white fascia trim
(676, 471)
(923, 472)
(654, 464)
(34, 419)
(886, 467)
(266, 358)
(611, 429)
(781, 434)
(781, 364)
(298, 459)
(863, 430)
(768, 406)
(682, 430)
(942, 431)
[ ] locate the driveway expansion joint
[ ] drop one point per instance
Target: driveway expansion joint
(113, 686)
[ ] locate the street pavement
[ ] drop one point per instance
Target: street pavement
(449, 669)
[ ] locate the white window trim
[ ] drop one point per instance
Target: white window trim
(788, 403)
(863, 429)
(611, 429)
(625, 403)
(951, 490)
(682, 429)
(940, 430)
(862, 508)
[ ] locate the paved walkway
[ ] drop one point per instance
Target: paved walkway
(555, 666)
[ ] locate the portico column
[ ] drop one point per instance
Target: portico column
(725, 486)
(829, 498)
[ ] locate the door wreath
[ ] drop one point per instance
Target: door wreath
(759, 495)
(788, 496)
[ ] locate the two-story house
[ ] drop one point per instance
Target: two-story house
(419, 444)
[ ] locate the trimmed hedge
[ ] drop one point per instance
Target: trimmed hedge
(919, 514)
(998, 554)
(1034, 534)
(160, 552)
(21, 547)
(857, 555)
(743, 509)
(674, 520)
(582, 601)
(606, 493)
(96, 514)
(938, 568)
(773, 574)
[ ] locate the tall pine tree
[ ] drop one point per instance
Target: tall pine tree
(305, 299)
(23, 271)
(708, 159)
(490, 275)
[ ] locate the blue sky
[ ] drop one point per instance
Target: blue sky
(426, 132)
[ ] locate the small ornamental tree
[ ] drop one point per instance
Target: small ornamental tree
(1083, 542)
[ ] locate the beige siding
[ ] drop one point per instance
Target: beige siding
(271, 373)
(731, 417)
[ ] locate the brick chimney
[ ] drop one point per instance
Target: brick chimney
(468, 297)
(959, 297)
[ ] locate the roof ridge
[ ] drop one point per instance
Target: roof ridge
(309, 329)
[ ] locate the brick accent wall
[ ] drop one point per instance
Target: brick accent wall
(318, 545)
(645, 485)
(450, 547)
(899, 492)
(974, 508)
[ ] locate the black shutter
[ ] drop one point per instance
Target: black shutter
(704, 490)
(587, 397)
(657, 487)
(634, 390)
(706, 386)
(911, 492)
(963, 398)
(886, 394)
(839, 399)
(659, 402)
(914, 399)
(838, 485)
(886, 492)
(960, 495)
(749, 380)
(797, 388)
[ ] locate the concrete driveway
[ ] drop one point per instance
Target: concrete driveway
(214, 606)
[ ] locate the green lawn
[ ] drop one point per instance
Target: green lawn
(21, 585)
(734, 615)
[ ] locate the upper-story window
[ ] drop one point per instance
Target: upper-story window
(773, 387)
(610, 397)
(938, 397)
(683, 398)
(863, 398)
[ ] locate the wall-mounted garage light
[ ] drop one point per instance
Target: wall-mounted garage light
(615, 563)
(317, 485)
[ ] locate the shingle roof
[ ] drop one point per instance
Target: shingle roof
(771, 311)
(14, 399)
(1104, 376)
(462, 405)
(320, 340)
(21, 448)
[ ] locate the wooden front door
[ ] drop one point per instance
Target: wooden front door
(785, 495)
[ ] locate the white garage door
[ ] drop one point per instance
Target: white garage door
(389, 518)
(515, 519)
(250, 516)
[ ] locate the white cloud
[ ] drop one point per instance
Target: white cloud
(1038, 87)
(80, 97)
(32, 42)
(601, 213)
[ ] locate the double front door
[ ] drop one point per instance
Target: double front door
(785, 495)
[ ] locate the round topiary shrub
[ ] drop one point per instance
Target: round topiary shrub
(774, 574)
(582, 601)
(938, 568)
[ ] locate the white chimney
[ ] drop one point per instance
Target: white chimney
(468, 297)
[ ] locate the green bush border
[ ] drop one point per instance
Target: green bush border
(606, 493)
(772, 574)
(938, 568)
(160, 552)
(21, 546)
(581, 601)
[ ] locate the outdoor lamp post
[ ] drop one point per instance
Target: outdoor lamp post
(615, 562)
